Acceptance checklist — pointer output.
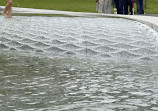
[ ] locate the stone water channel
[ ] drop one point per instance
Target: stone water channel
(77, 64)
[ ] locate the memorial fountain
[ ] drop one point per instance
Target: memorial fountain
(77, 64)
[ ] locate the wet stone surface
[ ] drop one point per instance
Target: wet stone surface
(79, 64)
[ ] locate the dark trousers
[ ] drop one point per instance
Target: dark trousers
(116, 5)
(128, 3)
(122, 6)
(140, 9)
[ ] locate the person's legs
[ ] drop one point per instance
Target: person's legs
(121, 7)
(141, 7)
(100, 6)
(117, 5)
(107, 6)
(130, 5)
(126, 7)
(8, 8)
(115, 2)
(138, 7)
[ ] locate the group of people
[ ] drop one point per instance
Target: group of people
(120, 6)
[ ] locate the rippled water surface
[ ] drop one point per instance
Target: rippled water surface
(77, 64)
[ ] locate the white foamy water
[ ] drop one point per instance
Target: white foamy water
(77, 64)
(103, 38)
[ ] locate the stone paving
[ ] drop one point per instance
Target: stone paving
(151, 21)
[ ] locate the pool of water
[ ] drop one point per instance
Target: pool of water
(79, 64)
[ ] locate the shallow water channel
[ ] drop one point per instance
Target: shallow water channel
(77, 64)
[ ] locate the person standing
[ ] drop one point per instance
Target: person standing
(104, 6)
(140, 9)
(107, 6)
(128, 3)
(97, 5)
(122, 6)
(8, 8)
(116, 6)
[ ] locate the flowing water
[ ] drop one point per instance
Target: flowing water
(77, 64)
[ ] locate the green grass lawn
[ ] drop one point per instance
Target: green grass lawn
(152, 7)
(67, 5)
(72, 5)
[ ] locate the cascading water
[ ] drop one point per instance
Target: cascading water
(79, 64)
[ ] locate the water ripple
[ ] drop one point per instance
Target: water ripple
(3, 46)
(55, 50)
(125, 54)
(65, 63)
(74, 36)
(26, 47)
